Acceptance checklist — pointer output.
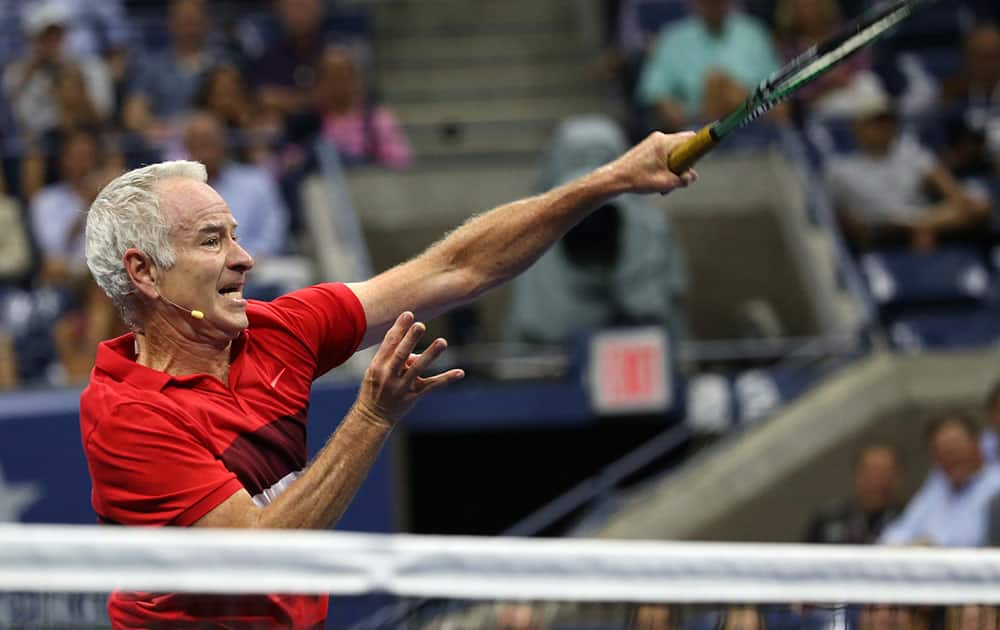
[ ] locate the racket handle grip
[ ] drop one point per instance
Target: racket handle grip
(684, 156)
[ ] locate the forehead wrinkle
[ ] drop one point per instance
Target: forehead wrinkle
(198, 202)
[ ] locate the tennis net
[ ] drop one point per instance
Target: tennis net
(59, 576)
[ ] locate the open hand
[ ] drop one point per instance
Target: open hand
(392, 383)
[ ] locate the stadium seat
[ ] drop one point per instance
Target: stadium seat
(902, 278)
(655, 14)
(946, 328)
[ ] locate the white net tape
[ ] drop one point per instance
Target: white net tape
(101, 559)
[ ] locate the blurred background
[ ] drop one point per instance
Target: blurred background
(751, 359)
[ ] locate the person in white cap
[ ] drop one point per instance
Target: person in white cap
(892, 189)
(29, 82)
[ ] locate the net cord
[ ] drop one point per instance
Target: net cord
(99, 559)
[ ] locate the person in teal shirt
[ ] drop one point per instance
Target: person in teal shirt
(704, 65)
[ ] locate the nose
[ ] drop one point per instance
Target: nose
(240, 259)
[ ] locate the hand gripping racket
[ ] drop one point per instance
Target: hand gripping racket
(818, 59)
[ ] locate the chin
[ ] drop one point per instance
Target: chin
(234, 325)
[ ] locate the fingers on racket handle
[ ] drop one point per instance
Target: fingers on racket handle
(685, 155)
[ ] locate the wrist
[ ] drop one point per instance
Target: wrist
(610, 180)
(371, 416)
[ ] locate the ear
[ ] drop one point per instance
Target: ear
(142, 272)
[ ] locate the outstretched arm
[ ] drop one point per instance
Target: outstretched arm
(493, 247)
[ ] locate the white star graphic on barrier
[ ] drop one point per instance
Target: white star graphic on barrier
(16, 498)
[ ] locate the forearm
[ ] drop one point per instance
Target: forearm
(500, 244)
(322, 494)
(494, 247)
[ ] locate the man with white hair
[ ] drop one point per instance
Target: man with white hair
(198, 416)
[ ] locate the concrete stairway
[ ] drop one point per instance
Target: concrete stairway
(485, 78)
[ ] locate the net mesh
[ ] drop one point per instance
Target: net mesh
(60, 577)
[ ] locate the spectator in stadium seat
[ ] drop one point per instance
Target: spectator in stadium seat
(620, 266)
(886, 617)
(29, 83)
(704, 65)
(653, 617)
(989, 441)
(950, 509)
(58, 212)
(975, 91)
(251, 129)
(364, 131)
(199, 418)
(879, 190)
(168, 83)
(75, 112)
(861, 519)
(801, 23)
(252, 195)
(285, 74)
(972, 617)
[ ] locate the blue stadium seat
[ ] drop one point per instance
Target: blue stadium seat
(946, 328)
(941, 62)
(655, 14)
(28, 317)
(786, 619)
(902, 278)
(937, 25)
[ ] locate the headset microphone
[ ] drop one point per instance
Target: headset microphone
(196, 314)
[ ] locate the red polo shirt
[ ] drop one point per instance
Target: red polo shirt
(166, 450)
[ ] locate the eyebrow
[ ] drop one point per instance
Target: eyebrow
(215, 228)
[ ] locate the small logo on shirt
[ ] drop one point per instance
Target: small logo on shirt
(274, 381)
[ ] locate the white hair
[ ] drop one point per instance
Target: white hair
(126, 214)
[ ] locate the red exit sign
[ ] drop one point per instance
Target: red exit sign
(628, 371)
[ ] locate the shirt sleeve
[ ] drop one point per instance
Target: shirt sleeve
(328, 318)
(45, 227)
(151, 466)
(393, 146)
(909, 527)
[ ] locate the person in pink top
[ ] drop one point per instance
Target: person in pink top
(364, 132)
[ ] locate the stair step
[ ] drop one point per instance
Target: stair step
(527, 138)
(478, 46)
(402, 84)
(487, 110)
(463, 16)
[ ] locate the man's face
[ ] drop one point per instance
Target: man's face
(49, 42)
(982, 51)
(78, 158)
(875, 134)
(205, 143)
(876, 480)
(300, 17)
(210, 267)
(187, 21)
(714, 12)
(956, 452)
(338, 85)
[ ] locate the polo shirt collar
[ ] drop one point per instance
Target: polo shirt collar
(117, 358)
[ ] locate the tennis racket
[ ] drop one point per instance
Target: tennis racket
(815, 61)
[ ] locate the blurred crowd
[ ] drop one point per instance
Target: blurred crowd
(907, 133)
(904, 137)
(90, 89)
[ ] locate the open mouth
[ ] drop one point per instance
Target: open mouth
(233, 291)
